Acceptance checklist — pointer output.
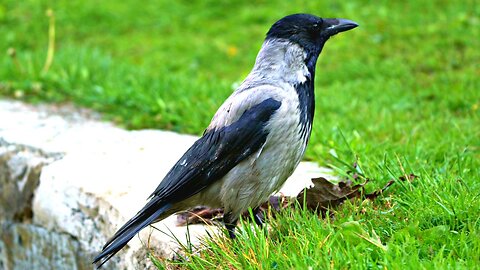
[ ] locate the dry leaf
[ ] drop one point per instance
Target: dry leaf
(323, 194)
(199, 214)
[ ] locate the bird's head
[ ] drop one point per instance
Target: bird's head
(308, 31)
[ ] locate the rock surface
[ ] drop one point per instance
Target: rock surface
(68, 181)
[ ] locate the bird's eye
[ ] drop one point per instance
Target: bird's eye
(319, 23)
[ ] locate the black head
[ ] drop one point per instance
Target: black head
(309, 31)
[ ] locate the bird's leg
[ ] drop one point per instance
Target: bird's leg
(231, 230)
(230, 224)
(258, 216)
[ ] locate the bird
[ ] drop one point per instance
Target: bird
(256, 138)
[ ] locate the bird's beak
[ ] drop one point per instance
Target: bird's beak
(335, 26)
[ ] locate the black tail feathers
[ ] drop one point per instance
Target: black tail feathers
(149, 214)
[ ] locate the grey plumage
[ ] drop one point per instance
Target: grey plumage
(255, 140)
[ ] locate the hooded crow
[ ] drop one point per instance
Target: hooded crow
(256, 138)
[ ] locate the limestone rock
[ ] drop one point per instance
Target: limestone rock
(20, 169)
(27, 246)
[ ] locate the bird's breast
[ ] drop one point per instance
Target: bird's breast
(252, 181)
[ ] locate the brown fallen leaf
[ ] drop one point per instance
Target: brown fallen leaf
(324, 195)
(199, 214)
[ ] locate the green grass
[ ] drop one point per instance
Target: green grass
(401, 93)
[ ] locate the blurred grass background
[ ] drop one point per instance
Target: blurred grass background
(400, 94)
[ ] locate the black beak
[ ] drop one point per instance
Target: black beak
(335, 26)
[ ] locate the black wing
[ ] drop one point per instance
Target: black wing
(216, 153)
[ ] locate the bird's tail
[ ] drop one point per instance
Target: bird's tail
(150, 213)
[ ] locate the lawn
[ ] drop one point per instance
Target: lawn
(398, 95)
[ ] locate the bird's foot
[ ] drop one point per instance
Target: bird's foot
(230, 224)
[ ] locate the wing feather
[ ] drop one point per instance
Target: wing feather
(216, 153)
